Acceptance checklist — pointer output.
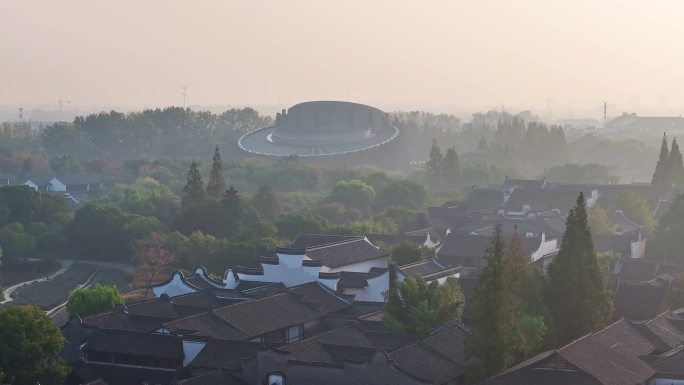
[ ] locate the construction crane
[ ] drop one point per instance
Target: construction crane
(61, 102)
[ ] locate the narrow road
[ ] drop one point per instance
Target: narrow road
(6, 295)
(87, 283)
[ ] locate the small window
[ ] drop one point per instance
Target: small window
(276, 378)
(294, 334)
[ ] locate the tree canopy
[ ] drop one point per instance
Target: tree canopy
(88, 301)
(577, 294)
(29, 347)
(416, 306)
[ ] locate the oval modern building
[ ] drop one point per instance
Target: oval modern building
(330, 131)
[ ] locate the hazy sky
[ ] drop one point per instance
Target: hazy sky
(390, 53)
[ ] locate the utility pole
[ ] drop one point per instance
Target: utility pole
(185, 94)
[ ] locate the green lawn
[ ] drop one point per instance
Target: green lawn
(12, 273)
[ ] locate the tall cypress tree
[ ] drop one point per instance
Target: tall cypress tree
(433, 166)
(217, 183)
(266, 204)
(194, 188)
(496, 339)
(674, 163)
(233, 212)
(660, 175)
(577, 295)
(451, 168)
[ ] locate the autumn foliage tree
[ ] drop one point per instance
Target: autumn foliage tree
(152, 257)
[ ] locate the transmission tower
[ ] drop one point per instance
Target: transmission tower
(184, 94)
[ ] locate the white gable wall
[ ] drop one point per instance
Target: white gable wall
(56, 185)
(191, 349)
(546, 247)
(372, 293)
(175, 287)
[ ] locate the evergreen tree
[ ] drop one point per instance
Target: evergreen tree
(577, 295)
(496, 340)
(194, 188)
(217, 182)
(482, 144)
(526, 288)
(451, 168)
(674, 163)
(433, 166)
(660, 176)
(266, 204)
(416, 306)
(233, 212)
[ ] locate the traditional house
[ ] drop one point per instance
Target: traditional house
(608, 357)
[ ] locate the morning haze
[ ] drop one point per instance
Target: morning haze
(341, 192)
(439, 55)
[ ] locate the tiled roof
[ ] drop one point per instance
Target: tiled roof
(623, 335)
(377, 370)
(449, 342)
(225, 354)
(486, 196)
(358, 280)
(421, 362)
(455, 245)
(134, 343)
(304, 241)
(119, 319)
(206, 325)
(214, 377)
(523, 183)
(542, 200)
(427, 269)
(260, 316)
(345, 253)
(666, 330)
(639, 301)
(324, 348)
(119, 375)
(70, 180)
(670, 362)
(637, 270)
(611, 366)
(389, 341)
(322, 297)
(606, 358)
(390, 239)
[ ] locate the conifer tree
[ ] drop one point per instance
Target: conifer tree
(266, 204)
(496, 339)
(674, 163)
(577, 295)
(233, 211)
(660, 176)
(217, 182)
(194, 188)
(451, 168)
(433, 166)
(482, 144)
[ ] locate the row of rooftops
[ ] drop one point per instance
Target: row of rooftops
(344, 342)
(622, 353)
